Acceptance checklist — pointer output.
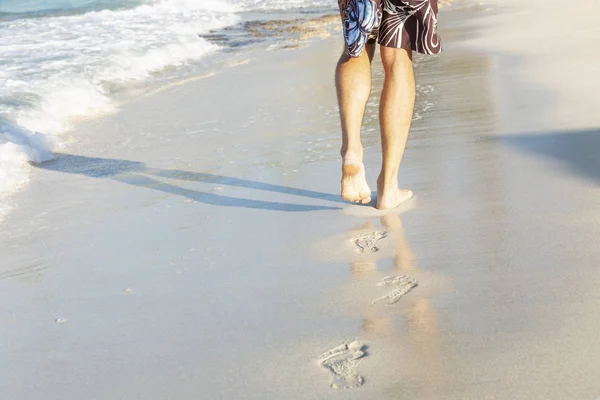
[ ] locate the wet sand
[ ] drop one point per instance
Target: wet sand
(200, 250)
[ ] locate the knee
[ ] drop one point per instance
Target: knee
(364, 58)
(395, 60)
(346, 60)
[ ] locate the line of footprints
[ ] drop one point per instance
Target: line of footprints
(342, 361)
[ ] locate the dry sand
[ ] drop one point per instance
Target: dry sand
(186, 249)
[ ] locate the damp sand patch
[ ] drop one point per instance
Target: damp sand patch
(298, 29)
(282, 33)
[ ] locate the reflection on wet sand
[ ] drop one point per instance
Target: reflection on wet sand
(404, 336)
(421, 331)
(397, 318)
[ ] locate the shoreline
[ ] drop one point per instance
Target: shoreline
(19, 144)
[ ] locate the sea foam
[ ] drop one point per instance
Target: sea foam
(284, 4)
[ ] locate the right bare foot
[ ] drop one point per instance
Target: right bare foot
(389, 199)
(354, 182)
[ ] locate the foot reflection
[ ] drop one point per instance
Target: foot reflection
(417, 329)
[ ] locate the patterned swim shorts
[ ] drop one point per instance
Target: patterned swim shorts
(402, 24)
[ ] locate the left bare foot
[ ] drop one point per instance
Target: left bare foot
(354, 182)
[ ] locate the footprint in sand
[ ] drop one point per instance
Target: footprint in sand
(402, 285)
(367, 242)
(341, 361)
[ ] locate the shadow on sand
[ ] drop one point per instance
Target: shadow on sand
(138, 174)
(578, 151)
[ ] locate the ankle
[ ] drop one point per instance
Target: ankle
(386, 184)
(352, 155)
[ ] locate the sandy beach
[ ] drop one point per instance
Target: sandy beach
(193, 245)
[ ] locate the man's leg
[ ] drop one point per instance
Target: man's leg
(353, 83)
(395, 116)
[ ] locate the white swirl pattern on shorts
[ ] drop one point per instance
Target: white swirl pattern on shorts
(425, 22)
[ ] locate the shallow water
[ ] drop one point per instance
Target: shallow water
(15, 9)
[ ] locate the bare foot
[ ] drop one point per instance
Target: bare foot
(354, 182)
(389, 199)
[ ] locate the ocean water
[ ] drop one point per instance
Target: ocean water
(61, 60)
